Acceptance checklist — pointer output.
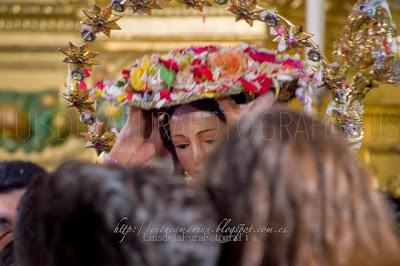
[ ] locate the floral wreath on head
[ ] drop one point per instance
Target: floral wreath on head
(366, 53)
(200, 72)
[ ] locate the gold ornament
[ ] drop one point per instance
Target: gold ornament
(145, 6)
(195, 4)
(366, 54)
(80, 56)
(244, 10)
(99, 139)
(101, 20)
(79, 98)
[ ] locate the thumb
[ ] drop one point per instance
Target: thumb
(262, 103)
(228, 105)
(135, 123)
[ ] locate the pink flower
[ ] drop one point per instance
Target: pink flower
(129, 95)
(171, 64)
(86, 72)
(281, 30)
(291, 63)
(83, 85)
(199, 50)
(260, 57)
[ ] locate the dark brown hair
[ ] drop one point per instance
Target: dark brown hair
(286, 170)
(73, 217)
(68, 218)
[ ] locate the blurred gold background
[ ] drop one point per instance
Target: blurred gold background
(31, 31)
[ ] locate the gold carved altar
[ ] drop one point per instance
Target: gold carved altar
(31, 31)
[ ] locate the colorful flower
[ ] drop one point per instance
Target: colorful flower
(83, 85)
(126, 73)
(86, 72)
(171, 64)
(201, 73)
(184, 79)
(248, 85)
(260, 57)
(138, 79)
(100, 85)
(258, 85)
(200, 50)
(291, 63)
(230, 62)
(165, 94)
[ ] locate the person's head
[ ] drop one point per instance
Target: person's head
(176, 219)
(190, 132)
(84, 214)
(68, 218)
(14, 178)
(284, 170)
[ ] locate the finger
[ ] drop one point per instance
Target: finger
(135, 124)
(134, 114)
(232, 111)
(228, 105)
(144, 155)
(262, 103)
(155, 129)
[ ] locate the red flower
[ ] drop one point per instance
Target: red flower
(202, 71)
(129, 92)
(86, 72)
(291, 63)
(196, 62)
(170, 64)
(100, 85)
(126, 73)
(260, 57)
(129, 95)
(262, 81)
(265, 82)
(165, 94)
(199, 50)
(248, 85)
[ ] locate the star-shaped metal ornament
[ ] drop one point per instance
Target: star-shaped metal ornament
(98, 138)
(79, 98)
(145, 6)
(80, 55)
(195, 4)
(101, 20)
(244, 10)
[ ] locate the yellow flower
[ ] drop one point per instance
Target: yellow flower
(138, 78)
(121, 98)
(185, 60)
(208, 95)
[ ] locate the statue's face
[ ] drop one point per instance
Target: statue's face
(194, 134)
